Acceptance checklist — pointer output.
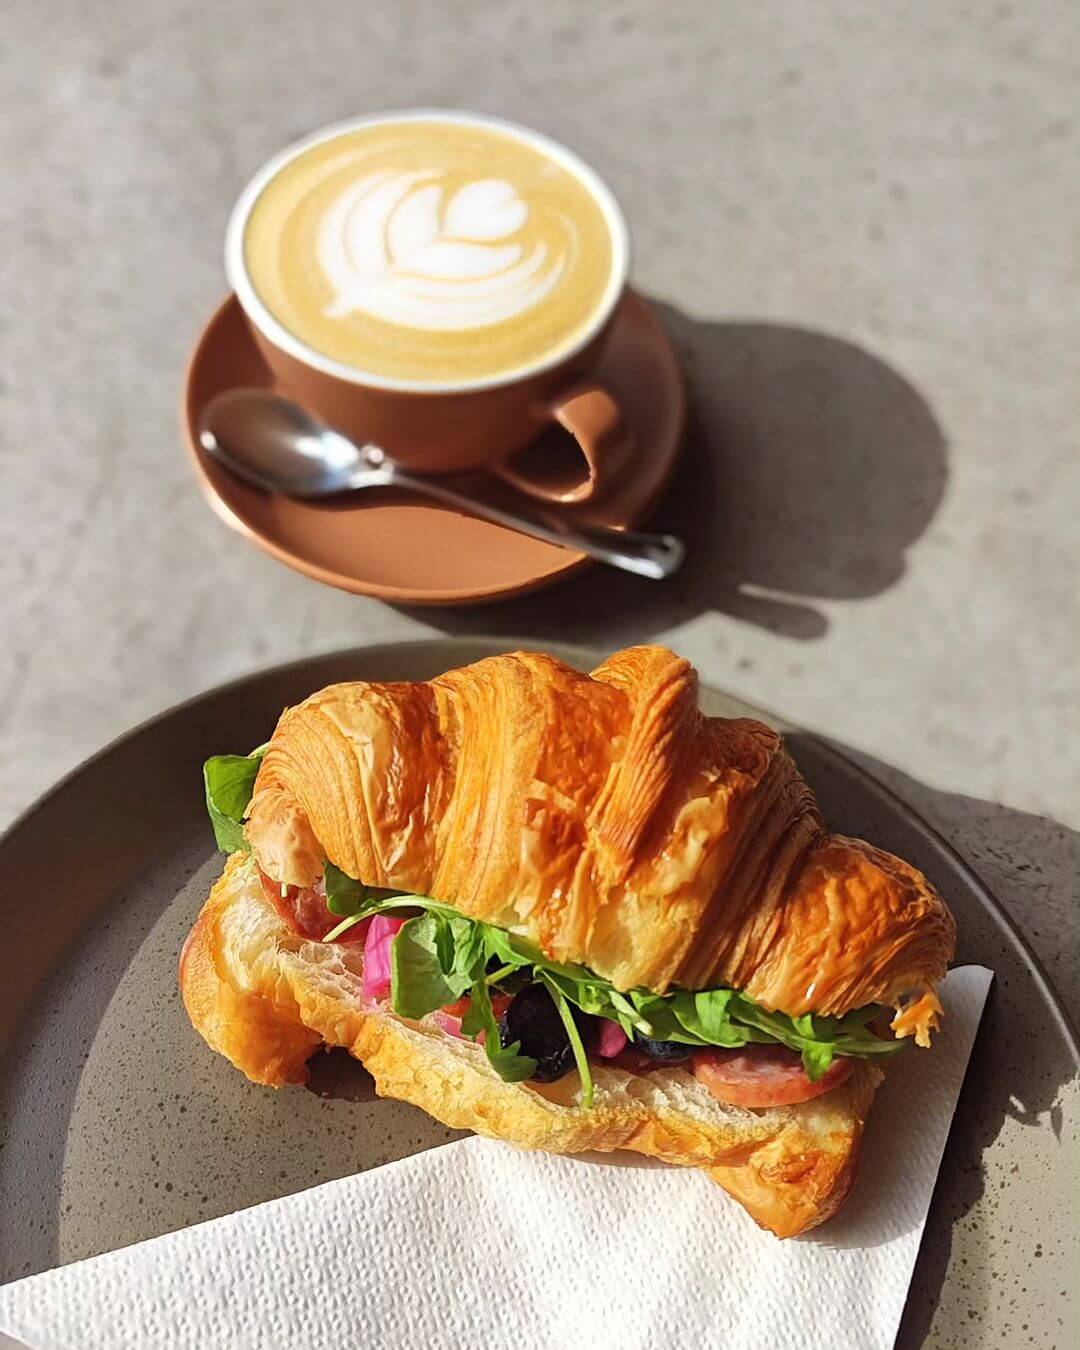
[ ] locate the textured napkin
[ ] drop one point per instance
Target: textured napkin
(477, 1243)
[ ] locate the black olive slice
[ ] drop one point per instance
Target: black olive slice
(533, 1019)
(668, 1052)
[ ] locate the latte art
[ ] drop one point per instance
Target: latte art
(393, 247)
(433, 251)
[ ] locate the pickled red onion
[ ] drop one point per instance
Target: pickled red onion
(448, 1023)
(377, 968)
(612, 1039)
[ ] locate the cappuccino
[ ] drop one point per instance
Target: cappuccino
(432, 250)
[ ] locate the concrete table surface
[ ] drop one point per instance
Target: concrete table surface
(861, 223)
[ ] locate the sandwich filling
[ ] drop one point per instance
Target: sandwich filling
(539, 1019)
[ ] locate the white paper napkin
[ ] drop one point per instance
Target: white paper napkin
(478, 1244)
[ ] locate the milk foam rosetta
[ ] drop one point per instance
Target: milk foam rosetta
(393, 247)
(430, 251)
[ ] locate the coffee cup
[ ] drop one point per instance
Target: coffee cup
(441, 284)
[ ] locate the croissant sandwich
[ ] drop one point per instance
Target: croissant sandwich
(572, 912)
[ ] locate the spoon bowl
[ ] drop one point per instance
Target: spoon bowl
(275, 444)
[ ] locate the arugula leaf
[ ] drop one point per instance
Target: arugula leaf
(419, 982)
(438, 956)
(812, 1036)
(804, 1025)
(627, 1015)
(660, 1014)
(816, 1058)
(860, 1041)
(778, 1026)
(344, 896)
(347, 897)
(229, 781)
(497, 943)
(852, 1021)
(706, 1014)
(508, 1062)
(589, 996)
(510, 949)
(581, 1058)
(468, 951)
(476, 1019)
(379, 901)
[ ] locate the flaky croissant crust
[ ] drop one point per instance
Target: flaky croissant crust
(607, 819)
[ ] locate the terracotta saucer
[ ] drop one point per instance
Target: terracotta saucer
(407, 551)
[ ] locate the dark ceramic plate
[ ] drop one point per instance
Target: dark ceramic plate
(117, 1123)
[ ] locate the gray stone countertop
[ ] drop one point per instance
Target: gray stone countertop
(861, 223)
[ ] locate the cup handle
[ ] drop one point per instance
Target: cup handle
(596, 422)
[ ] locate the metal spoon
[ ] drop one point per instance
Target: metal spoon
(275, 444)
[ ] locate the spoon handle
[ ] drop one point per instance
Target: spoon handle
(647, 555)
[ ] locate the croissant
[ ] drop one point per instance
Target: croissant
(609, 821)
(603, 821)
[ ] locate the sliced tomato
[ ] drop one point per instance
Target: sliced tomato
(450, 1017)
(304, 910)
(499, 1004)
(637, 1061)
(763, 1075)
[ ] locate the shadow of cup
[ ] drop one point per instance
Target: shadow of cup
(811, 466)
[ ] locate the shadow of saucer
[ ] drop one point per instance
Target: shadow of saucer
(811, 467)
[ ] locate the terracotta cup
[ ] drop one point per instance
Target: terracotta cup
(482, 425)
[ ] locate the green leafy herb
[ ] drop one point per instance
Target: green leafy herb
(344, 896)
(659, 1012)
(229, 781)
(706, 1014)
(858, 1040)
(348, 897)
(422, 977)
(816, 1058)
(466, 953)
(816, 1038)
(508, 1062)
(628, 1016)
(573, 1035)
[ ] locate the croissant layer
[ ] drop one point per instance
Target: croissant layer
(607, 819)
